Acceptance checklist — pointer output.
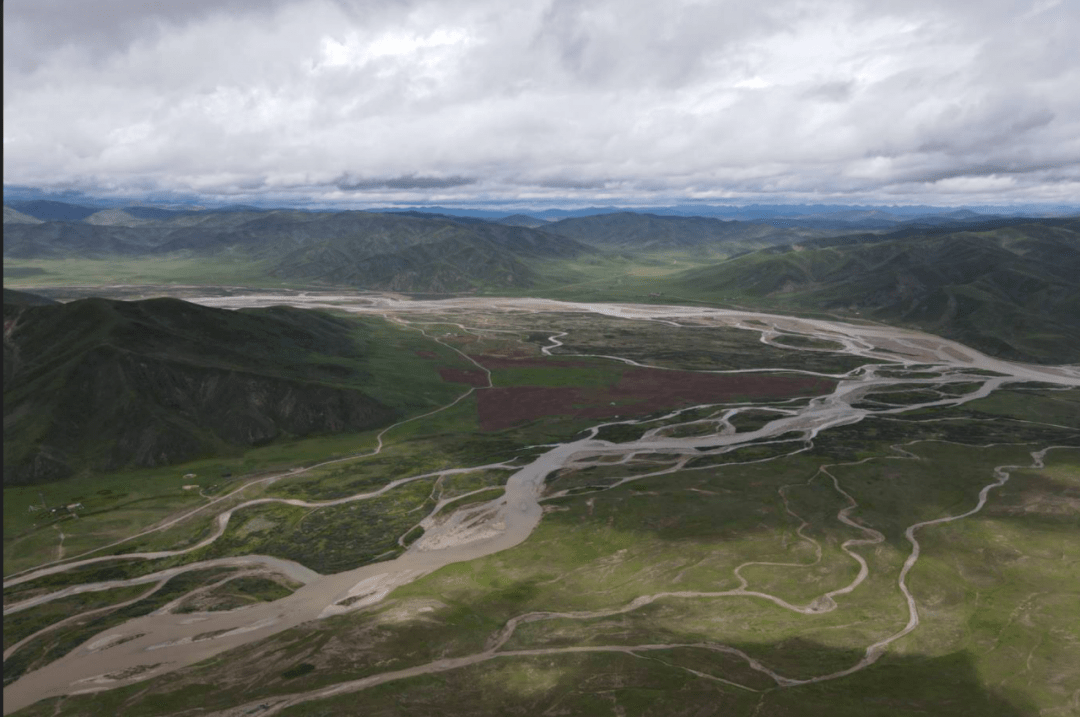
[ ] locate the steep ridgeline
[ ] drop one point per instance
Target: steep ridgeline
(1010, 291)
(632, 232)
(100, 384)
(403, 252)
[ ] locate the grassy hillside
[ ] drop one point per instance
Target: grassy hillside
(1011, 292)
(359, 249)
(59, 239)
(629, 231)
(406, 254)
(108, 384)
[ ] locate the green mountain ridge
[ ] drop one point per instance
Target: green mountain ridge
(358, 249)
(628, 231)
(1005, 285)
(1010, 292)
(110, 384)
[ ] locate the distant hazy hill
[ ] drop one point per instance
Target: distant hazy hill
(405, 252)
(630, 231)
(1010, 291)
(48, 210)
(14, 216)
(115, 217)
(152, 212)
(433, 256)
(523, 220)
(110, 384)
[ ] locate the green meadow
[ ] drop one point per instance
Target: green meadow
(655, 595)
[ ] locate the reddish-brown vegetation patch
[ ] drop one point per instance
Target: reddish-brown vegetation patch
(427, 354)
(498, 362)
(694, 386)
(639, 392)
(471, 377)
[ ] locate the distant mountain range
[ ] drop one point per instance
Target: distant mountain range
(631, 232)
(1010, 289)
(14, 216)
(110, 384)
(1006, 285)
(759, 212)
(357, 249)
(406, 250)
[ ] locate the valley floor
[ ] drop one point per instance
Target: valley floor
(625, 509)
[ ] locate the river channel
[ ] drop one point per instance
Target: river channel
(160, 642)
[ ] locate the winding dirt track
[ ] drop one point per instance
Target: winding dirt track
(158, 643)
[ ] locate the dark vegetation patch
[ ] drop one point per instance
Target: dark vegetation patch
(904, 373)
(786, 444)
(808, 342)
(899, 398)
(466, 376)
(752, 419)
(238, 592)
(328, 540)
(598, 477)
(639, 392)
(298, 670)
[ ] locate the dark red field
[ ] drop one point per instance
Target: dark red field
(470, 377)
(640, 391)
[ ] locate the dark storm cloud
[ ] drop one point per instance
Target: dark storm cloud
(593, 99)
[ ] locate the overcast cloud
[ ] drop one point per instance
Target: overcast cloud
(587, 101)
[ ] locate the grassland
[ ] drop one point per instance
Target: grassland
(631, 598)
(177, 268)
(602, 553)
(695, 347)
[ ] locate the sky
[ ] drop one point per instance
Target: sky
(541, 102)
